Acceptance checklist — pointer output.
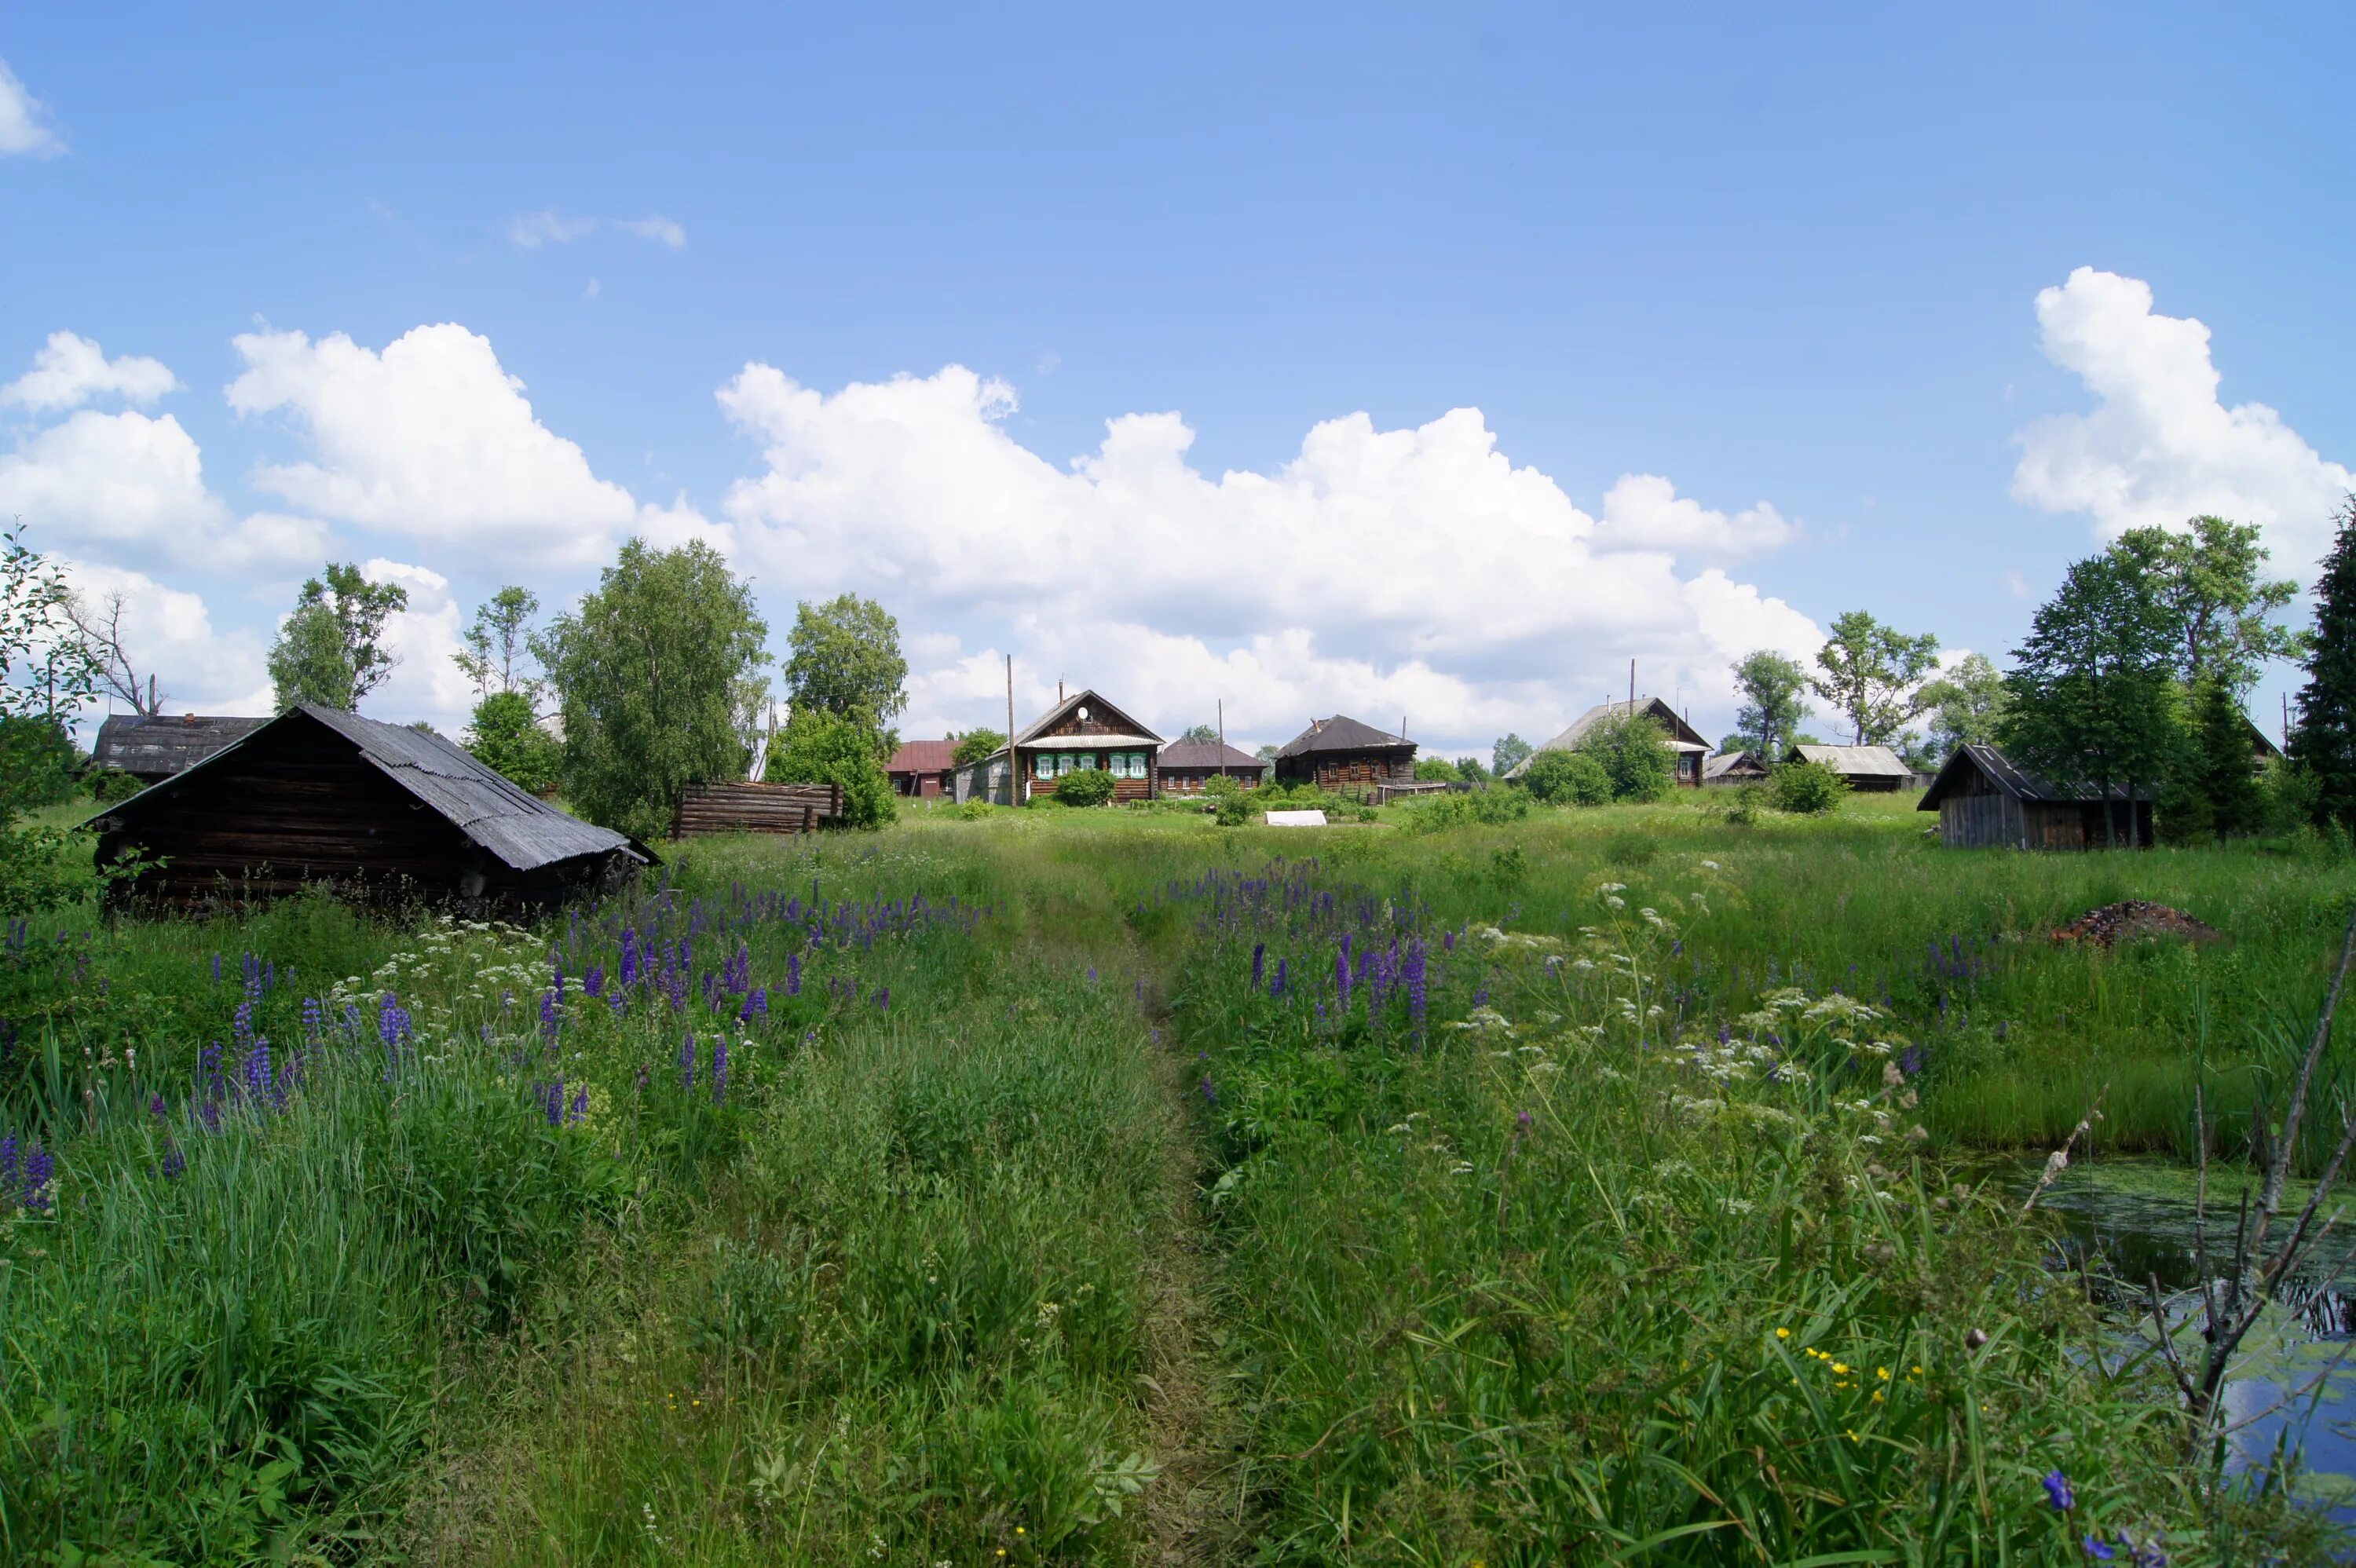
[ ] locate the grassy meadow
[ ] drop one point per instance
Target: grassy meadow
(1062, 1187)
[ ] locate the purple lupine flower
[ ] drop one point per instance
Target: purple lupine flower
(793, 974)
(549, 1017)
(1259, 959)
(1910, 1062)
(393, 1022)
(720, 1069)
(1413, 968)
(156, 1107)
(593, 984)
(241, 1025)
(1276, 987)
(216, 968)
(884, 997)
(1210, 1095)
(2098, 1548)
(314, 1018)
(208, 1070)
(257, 1070)
(32, 1190)
(2058, 1493)
(1342, 973)
(757, 1006)
(687, 1060)
(629, 974)
(175, 1162)
(580, 1112)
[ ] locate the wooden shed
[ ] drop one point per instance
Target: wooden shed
(921, 770)
(1685, 741)
(1186, 767)
(1733, 768)
(1344, 756)
(1985, 802)
(317, 794)
(1081, 731)
(1871, 769)
(152, 750)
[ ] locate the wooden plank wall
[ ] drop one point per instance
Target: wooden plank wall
(754, 808)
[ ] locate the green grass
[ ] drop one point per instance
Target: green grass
(1083, 1249)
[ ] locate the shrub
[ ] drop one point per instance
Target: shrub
(1634, 753)
(1088, 786)
(1487, 808)
(1233, 811)
(1219, 786)
(1437, 770)
(820, 747)
(1809, 789)
(1568, 778)
(974, 810)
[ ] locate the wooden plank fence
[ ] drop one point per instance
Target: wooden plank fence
(754, 808)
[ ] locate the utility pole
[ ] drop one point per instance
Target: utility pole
(1221, 704)
(1631, 686)
(1010, 728)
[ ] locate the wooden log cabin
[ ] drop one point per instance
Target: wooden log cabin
(1985, 802)
(747, 808)
(1081, 731)
(1685, 741)
(1870, 770)
(921, 770)
(1186, 767)
(1346, 757)
(152, 750)
(381, 811)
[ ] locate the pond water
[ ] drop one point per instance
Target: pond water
(2295, 1390)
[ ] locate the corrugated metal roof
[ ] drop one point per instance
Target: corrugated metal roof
(1679, 731)
(1725, 762)
(518, 827)
(1206, 755)
(1341, 733)
(160, 747)
(923, 757)
(1973, 757)
(1854, 762)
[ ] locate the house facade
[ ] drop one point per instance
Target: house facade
(1346, 757)
(923, 770)
(1081, 731)
(1984, 802)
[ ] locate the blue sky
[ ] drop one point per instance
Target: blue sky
(1789, 268)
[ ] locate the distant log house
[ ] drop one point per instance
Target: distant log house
(1346, 757)
(922, 770)
(1186, 767)
(1081, 731)
(381, 811)
(1733, 768)
(1868, 769)
(152, 750)
(1685, 741)
(1985, 802)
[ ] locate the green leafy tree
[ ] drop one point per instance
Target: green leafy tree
(1201, 734)
(2216, 793)
(1436, 770)
(1267, 753)
(47, 673)
(308, 662)
(1509, 753)
(507, 736)
(1870, 674)
(846, 661)
(821, 747)
(331, 651)
(1773, 692)
(2323, 747)
(652, 673)
(38, 760)
(1966, 704)
(1473, 770)
(497, 642)
(976, 745)
(2217, 609)
(1634, 752)
(1568, 778)
(2094, 693)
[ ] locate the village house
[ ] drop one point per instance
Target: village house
(1186, 767)
(1870, 770)
(1344, 756)
(1685, 741)
(1733, 768)
(317, 794)
(1081, 731)
(921, 770)
(1985, 802)
(152, 750)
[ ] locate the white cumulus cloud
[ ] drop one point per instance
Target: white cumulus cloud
(2159, 446)
(1416, 571)
(430, 438)
(656, 227)
(1646, 511)
(70, 370)
(25, 130)
(531, 230)
(169, 633)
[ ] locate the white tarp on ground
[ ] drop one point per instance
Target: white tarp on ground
(1295, 819)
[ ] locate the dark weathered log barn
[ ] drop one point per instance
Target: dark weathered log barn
(1081, 731)
(921, 768)
(1871, 769)
(317, 794)
(1346, 757)
(1685, 741)
(153, 750)
(1733, 768)
(1186, 767)
(1985, 802)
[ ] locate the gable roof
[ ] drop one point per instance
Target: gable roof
(1727, 762)
(158, 747)
(1102, 712)
(1341, 734)
(923, 757)
(1683, 737)
(519, 827)
(1854, 761)
(1998, 769)
(1206, 754)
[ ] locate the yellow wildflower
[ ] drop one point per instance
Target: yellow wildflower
(1783, 1333)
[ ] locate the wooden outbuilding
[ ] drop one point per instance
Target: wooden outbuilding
(1733, 768)
(921, 770)
(1685, 741)
(152, 750)
(1870, 770)
(1346, 757)
(1186, 767)
(1985, 802)
(1081, 731)
(385, 812)
(754, 806)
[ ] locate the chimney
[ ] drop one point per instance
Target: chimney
(1059, 688)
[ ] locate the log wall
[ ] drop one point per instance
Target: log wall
(706, 808)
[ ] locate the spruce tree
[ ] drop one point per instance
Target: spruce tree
(2220, 793)
(2324, 745)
